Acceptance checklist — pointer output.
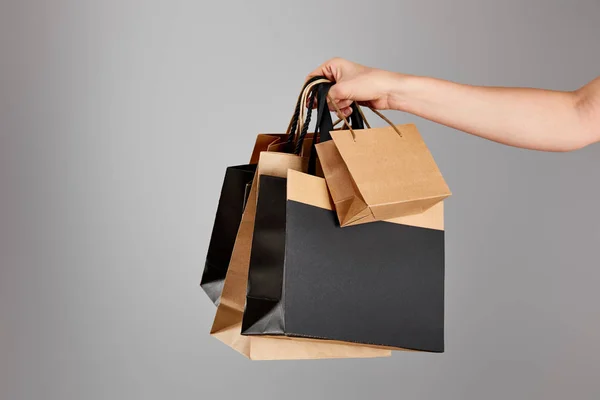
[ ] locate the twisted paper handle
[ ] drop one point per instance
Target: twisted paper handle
(339, 112)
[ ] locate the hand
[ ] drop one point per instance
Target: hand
(354, 82)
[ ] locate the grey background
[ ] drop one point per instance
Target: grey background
(118, 118)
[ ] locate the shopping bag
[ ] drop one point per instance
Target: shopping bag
(231, 205)
(379, 173)
(228, 319)
(380, 283)
(234, 193)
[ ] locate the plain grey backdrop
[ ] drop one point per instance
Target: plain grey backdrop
(118, 118)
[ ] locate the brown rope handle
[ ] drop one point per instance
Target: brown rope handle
(383, 117)
(339, 112)
(342, 116)
(361, 114)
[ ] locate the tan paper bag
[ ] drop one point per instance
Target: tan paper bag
(378, 174)
(227, 323)
(266, 142)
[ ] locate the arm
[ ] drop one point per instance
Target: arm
(528, 118)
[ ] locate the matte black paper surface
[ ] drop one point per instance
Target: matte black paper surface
(233, 198)
(378, 283)
(264, 313)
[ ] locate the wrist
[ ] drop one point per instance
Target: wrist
(399, 91)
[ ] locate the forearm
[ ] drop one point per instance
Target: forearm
(528, 118)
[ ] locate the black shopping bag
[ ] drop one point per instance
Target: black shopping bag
(234, 193)
(380, 283)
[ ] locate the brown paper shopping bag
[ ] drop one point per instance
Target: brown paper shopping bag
(380, 173)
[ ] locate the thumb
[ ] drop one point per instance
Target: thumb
(341, 95)
(341, 91)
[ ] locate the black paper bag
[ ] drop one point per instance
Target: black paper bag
(380, 283)
(234, 193)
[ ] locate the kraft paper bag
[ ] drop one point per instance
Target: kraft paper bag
(228, 320)
(377, 173)
(232, 200)
(378, 284)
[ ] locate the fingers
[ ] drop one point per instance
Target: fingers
(345, 111)
(331, 69)
(341, 94)
(344, 106)
(342, 97)
(324, 70)
(340, 108)
(341, 104)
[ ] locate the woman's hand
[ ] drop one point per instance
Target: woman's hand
(354, 82)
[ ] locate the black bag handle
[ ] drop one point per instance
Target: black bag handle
(357, 118)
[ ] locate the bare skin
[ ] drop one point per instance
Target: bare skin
(534, 119)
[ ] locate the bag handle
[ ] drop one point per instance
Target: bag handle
(324, 123)
(383, 117)
(311, 100)
(364, 119)
(304, 107)
(295, 125)
(294, 121)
